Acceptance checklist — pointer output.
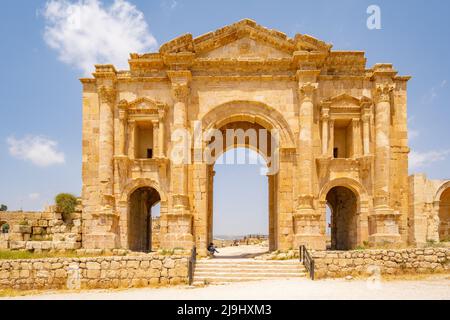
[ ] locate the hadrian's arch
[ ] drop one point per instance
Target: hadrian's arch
(335, 119)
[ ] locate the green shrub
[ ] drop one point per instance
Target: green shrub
(66, 203)
(5, 228)
(3, 208)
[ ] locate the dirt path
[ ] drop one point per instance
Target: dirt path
(437, 287)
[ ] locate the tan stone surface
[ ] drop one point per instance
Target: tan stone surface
(341, 124)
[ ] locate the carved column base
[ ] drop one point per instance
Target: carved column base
(384, 228)
(307, 230)
(101, 231)
(179, 231)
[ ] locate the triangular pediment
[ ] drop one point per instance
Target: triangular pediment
(142, 105)
(244, 39)
(345, 100)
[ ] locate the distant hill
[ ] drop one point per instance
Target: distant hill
(231, 237)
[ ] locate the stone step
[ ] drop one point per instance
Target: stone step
(227, 279)
(246, 273)
(248, 269)
(248, 262)
(221, 271)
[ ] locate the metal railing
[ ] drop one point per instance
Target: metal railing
(307, 261)
(191, 265)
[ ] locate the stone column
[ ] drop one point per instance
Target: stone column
(155, 126)
(179, 219)
(384, 221)
(382, 144)
(366, 134)
(123, 118)
(356, 130)
(106, 140)
(161, 137)
(331, 142)
(325, 129)
(306, 219)
(131, 139)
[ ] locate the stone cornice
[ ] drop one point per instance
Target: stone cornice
(303, 53)
(105, 71)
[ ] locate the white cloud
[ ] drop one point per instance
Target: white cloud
(34, 196)
(169, 4)
(424, 159)
(36, 149)
(86, 32)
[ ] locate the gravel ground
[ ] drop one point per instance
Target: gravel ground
(436, 287)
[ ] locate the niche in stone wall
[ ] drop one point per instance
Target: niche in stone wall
(343, 139)
(144, 147)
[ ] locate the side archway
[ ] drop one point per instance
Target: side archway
(137, 200)
(348, 201)
(442, 206)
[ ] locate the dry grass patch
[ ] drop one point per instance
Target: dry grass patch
(18, 255)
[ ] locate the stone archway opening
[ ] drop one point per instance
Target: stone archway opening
(249, 145)
(241, 198)
(444, 216)
(343, 213)
(143, 207)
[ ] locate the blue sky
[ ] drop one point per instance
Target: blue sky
(40, 106)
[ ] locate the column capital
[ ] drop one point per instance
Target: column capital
(161, 114)
(123, 105)
(180, 91)
(382, 92)
(180, 80)
(365, 117)
(325, 113)
(107, 94)
(307, 90)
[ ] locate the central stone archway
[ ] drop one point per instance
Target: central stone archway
(251, 118)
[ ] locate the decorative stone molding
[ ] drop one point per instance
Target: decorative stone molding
(180, 91)
(305, 201)
(382, 92)
(107, 94)
(323, 166)
(180, 201)
(365, 166)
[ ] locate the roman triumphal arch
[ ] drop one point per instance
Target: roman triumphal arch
(333, 130)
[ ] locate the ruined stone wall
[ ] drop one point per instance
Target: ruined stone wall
(329, 264)
(93, 273)
(41, 231)
(424, 206)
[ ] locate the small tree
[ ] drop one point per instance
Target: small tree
(66, 203)
(3, 207)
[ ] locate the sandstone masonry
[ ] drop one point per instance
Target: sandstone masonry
(94, 273)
